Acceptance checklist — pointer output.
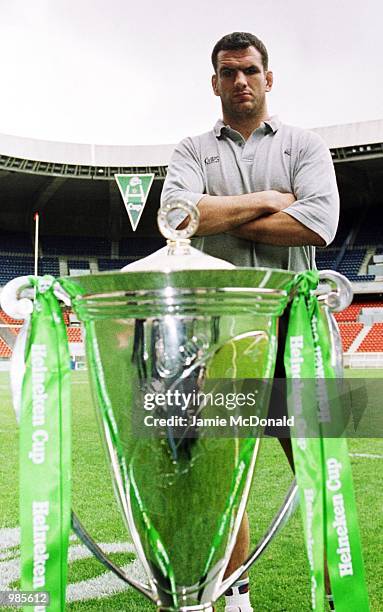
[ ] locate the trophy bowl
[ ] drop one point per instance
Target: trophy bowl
(157, 342)
(178, 354)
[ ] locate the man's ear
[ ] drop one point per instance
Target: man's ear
(214, 84)
(269, 80)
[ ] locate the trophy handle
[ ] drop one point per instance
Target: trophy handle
(340, 294)
(91, 545)
(12, 303)
(278, 522)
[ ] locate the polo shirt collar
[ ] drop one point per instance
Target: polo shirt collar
(273, 124)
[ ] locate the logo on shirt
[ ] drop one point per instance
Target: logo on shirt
(212, 160)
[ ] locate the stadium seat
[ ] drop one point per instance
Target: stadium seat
(112, 264)
(5, 350)
(348, 333)
(66, 245)
(78, 264)
(4, 318)
(15, 243)
(74, 334)
(140, 246)
(373, 342)
(326, 258)
(49, 265)
(350, 265)
(349, 314)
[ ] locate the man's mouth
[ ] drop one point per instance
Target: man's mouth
(243, 96)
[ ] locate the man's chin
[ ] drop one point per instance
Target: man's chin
(244, 107)
(245, 111)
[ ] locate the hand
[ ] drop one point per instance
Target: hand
(275, 201)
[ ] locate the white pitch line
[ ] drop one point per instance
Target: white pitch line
(366, 455)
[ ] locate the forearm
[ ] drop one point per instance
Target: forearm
(219, 214)
(278, 229)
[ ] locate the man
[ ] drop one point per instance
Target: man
(266, 191)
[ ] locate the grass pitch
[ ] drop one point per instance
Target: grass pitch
(279, 581)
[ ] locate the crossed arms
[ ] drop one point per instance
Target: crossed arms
(309, 216)
(255, 216)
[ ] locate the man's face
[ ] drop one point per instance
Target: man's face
(241, 82)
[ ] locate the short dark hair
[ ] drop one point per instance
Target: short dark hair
(239, 40)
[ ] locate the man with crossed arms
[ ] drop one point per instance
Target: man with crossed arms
(266, 194)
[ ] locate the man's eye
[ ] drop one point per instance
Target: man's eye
(226, 73)
(251, 70)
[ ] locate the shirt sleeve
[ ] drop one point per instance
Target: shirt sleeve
(315, 188)
(184, 179)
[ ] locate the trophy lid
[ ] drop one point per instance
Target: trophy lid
(182, 268)
(177, 257)
(178, 254)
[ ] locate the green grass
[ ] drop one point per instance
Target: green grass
(279, 581)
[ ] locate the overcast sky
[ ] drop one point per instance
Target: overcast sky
(131, 72)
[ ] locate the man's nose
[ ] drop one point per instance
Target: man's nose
(240, 80)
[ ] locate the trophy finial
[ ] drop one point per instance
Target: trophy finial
(171, 233)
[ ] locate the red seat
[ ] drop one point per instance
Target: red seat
(348, 333)
(373, 342)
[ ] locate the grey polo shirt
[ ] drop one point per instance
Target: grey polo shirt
(275, 156)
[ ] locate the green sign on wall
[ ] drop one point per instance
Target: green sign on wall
(134, 189)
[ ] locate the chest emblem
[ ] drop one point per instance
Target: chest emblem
(212, 160)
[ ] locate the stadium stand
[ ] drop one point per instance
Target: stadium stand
(77, 246)
(82, 264)
(347, 263)
(5, 350)
(15, 243)
(74, 334)
(5, 319)
(12, 266)
(111, 264)
(349, 314)
(373, 342)
(49, 265)
(351, 264)
(140, 246)
(66, 317)
(326, 258)
(84, 223)
(348, 333)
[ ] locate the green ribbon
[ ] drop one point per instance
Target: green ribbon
(300, 368)
(45, 451)
(322, 463)
(343, 544)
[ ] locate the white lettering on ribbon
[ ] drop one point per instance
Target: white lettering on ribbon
(296, 360)
(334, 484)
(40, 512)
(39, 397)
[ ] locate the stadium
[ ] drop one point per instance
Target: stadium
(84, 226)
(84, 229)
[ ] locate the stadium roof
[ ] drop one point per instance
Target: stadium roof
(84, 154)
(352, 134)
(337, 136)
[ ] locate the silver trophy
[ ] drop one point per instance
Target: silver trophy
(182, 326)
(171, 333)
